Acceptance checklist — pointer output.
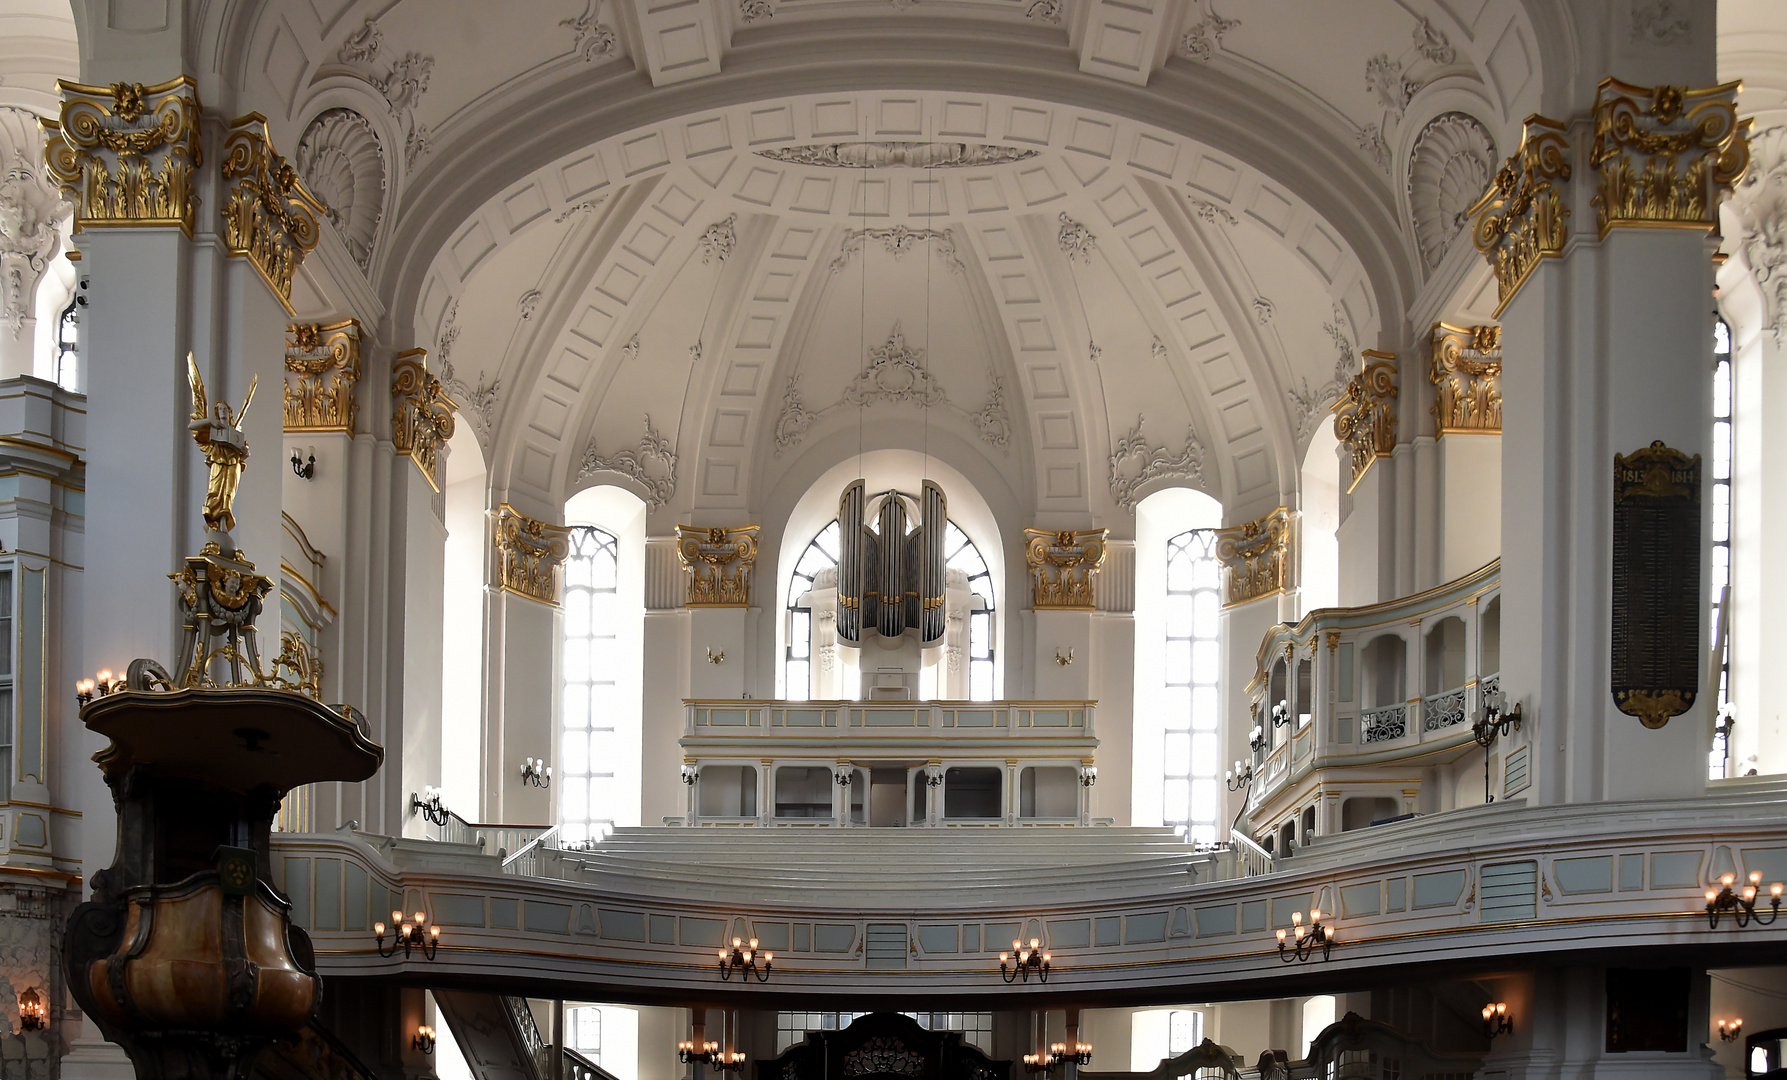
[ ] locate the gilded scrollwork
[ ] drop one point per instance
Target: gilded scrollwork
(1064, 565)
(1522, 218)
(1467, 372)
(1256, 556)
(529, 553)
(1666, 153)
(125, 154)
(717, 564)
(322, 366)
(269, 215)
(1365, 415)
(423, 416)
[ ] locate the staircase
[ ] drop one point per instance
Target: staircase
(501, 1041)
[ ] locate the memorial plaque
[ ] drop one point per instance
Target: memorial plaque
(1656, 583)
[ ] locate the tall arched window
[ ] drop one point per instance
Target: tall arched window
(1719, 757)
(1193, 682)
(588, 800)
(959, 553)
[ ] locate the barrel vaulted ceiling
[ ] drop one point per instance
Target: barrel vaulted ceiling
(1110, 245)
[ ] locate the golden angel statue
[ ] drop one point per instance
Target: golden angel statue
(225, 448)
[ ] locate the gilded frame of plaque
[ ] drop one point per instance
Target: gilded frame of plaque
(1656, 658)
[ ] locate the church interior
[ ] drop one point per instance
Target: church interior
(892, 539)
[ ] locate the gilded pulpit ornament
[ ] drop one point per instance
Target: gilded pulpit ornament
(423, 419)
(322, 366)
(269, 216)
(1365, 415)
(1656, 583)
(1467, 371)
(1063, 567)
(529, 553)
(220, 439)
(1520, 220)
(1256, 556)
(1666, 154)
(124, 154)
(717, 564)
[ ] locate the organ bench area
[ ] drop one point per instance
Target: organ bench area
(888, 764)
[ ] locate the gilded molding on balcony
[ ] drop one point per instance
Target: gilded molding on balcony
(125, 154)
(1466, 369)
(1365, 415)
(423, 416)
(322, 365)
(1256, 557)
(1521, 219)
(1666, 154)
(1064, 564)
(717, 564)
(268, 216)
(529, 553)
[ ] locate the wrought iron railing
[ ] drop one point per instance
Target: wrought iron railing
(527, 1035)
(1383, 725)
(1443, 710)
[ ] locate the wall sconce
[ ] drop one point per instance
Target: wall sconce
(431, 808)
(1302, 945)
(1496, 1020)
(688, 1055)
(729, 1061)
(1027, 960)
(715, 657)
(100, 685)
(1281, 713)
(302, 469)
(31, 1011)
(1088, 775)
(1063, 661)
(743, 959)
(1238, 777)
(1729, 1030)
(1742, 906)
(933, 776)
(423, 1040)
(1493, 721)
(691, 774)
(407, 935)
(1256, 739)
(536, 772)
(1059, 1054)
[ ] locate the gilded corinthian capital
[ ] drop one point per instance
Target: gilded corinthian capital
(1365, 415)
(125, 154)
(1666, 154)
(717, 564)
(322, 365)
(268, 215)
(1521, 219)
(1256, 556)
(529, 553)
(1063, 566)
(1467, 371)
(423, 415)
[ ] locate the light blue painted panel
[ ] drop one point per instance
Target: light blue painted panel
(663, 929)
(974, 718)
(1253, 916)
(727, 717)
(1396, 892)
(353, 911)
(1050, 718)
(833, 937)
(1438, 890)
(892, 718)
(1070, 933)
(1631, 873)
(804, 718)
(1590, 875)
(771, 936)
(328, 894)
(1151, 926)
(1283, 906)
(622, 925)
(971, 937)
(32, 631)
(505, 913)
(706, 932)
(803, 937)
(1360, 899)
(1216, 921)
(1772, 862)
(1000, 935)
(884, 946)
(1508, 892)
(940, 939)
(544, 918)
(1107, 931)
(1675, 869)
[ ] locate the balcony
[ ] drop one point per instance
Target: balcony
(1364, 714)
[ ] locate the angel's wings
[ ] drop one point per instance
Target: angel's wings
(200, 408)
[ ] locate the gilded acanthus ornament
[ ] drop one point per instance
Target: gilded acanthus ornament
(268, 216)
(1666, 154)
(717, 564)
(220, 439)
(1521, 219)
(423, 416)
(322, 366)
(529, 553)
(1256, 556)
(1063, 566)
(1467, 370)
(1365, 415)
(124, 154)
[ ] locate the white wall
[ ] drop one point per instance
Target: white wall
(462, 622)
(1318, 551)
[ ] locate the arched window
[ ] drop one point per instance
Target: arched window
(588, 802)
(1719, 756)
(1193, 684)
(959, 553)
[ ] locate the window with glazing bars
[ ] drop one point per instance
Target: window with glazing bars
(1193, 676)
(587, 796)
(1718, 758)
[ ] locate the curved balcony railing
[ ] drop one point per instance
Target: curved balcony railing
(1383, 725)
(1444, 710)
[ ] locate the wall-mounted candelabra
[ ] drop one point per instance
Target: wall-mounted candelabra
(1496, 1020)
(100, 685)
(1731, 1030)
(32, 1014)
(1493, 721)
(1304, 940)
(1088, 775)
(407, 934)
(710, 1054)
(1238, 777)
(1741, 905)
(304, 468)
(1025, 961)
(423, 1040)
(536, 772)
(430, 807)
(743, 960)
(1281, 713)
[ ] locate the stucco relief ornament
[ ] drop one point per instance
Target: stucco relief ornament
(343, 164)
(1432, 44)
(1761, 204)
(1077, 241)
(718, 239)
(1312, 406)
(796, 419)
(897, 155)
(402, 84)
(477, 401)
(1656, 22)
(896, 372)
(652, 464)
(991, 420)
(1209, 213)
(592, 40)
(749, 11)
(1135, 463)
(29, 211)
(1371, 140)
(1450, 166)
(1047, 11)
(1204, 38)
(528, 304)
(1263, 311)
(630, 351)
(897, 241)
